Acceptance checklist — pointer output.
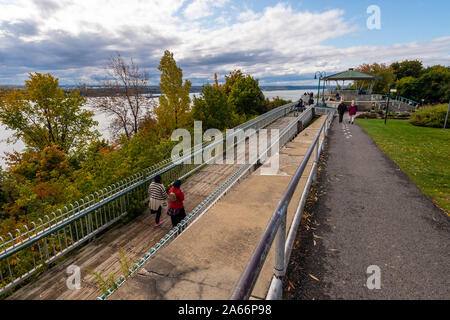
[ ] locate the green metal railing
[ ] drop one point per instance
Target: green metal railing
(286, 135)
(44, 241)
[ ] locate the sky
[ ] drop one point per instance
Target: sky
(278, 42)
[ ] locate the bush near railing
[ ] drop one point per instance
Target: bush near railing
(430, 116)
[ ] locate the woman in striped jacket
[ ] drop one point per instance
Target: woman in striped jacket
(158, 199)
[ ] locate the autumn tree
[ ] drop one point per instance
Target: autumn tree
(126, 103)
(43, 114)
(231, 79)
(42, 182)
(380, 70)
(3, 196)
(174, 104)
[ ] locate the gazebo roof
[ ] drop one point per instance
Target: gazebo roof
(352, 74)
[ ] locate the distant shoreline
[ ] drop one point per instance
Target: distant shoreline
(157, 90)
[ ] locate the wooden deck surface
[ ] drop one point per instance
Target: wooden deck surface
(135, 238)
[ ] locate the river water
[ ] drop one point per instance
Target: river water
(104, 122)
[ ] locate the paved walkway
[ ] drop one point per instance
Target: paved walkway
(369, 213)
(206, 261)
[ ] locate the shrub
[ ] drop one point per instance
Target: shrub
(433, 117)
(367, 115)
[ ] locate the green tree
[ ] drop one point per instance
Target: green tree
(407, 68)
(43, 114)
(174, 103)
(435, 84)
(231, 79)
(409, 87)
(245, 95)
(212, 108)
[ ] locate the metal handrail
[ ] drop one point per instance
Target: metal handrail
(285, 135)
(125, 187)
(81, 220)
(403, 99)
(246, 282)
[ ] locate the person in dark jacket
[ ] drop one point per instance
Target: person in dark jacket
(341, 110)
(300, 105)
(176, 208)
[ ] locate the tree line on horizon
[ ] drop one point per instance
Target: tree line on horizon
(65, 157)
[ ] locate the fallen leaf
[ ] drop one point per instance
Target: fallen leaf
(291, 285)
(314, 277)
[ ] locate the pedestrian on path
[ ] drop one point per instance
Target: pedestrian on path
(341, 110)
(158, 199)
(176, 208)
(300, 106)
(352, 112)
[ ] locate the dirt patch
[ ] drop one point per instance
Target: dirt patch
(306, 266)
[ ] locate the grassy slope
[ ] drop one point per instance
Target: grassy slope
(422, 153)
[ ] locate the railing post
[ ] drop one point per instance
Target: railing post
(316, 159)
(279, 269)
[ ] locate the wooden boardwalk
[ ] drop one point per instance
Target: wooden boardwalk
(135, 238)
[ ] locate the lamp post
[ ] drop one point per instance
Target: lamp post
(387, 104)
(318, 86)
(446, 117)
(324, 83)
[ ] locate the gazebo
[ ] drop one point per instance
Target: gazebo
(354, 75)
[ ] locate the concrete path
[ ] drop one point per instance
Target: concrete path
(369, 213)
(206, 260)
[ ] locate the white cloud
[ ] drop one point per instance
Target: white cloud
(203, 8)
(248, 15)
(73, 39)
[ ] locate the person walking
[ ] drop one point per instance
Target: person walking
(352, 112)
(300, 106)
(341, 110)
(158, 199)
(176, 208)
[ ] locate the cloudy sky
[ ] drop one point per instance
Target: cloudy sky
(279, 42)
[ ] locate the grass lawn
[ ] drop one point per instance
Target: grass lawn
(422, 153)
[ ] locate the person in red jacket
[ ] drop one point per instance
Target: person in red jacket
(176, 208)
(352, 112)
